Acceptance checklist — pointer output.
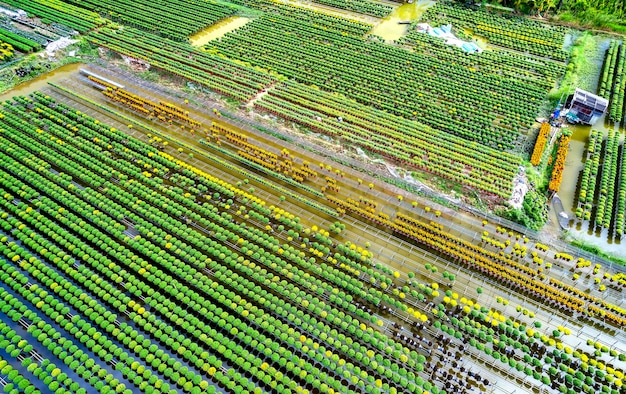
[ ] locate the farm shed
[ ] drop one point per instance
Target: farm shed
(586, 107)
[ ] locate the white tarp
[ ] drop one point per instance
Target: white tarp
(61, 43)
(445, 32)
(13, 14)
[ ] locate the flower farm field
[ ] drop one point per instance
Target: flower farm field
(175, 20)
(150, 243)
(439, 93)
(154, 273)
(57, 11)
(366, 7)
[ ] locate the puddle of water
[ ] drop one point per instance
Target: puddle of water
(390, 28)
(217, 30)
(42, 81)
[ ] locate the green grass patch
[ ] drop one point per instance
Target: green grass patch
(578, 66)
(533, 214)
(589, 17)
(596, 250)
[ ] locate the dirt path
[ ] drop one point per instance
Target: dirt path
(258, 96)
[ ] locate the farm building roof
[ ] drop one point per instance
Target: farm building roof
(590, 100)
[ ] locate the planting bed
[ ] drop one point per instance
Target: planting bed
(175, 20)
(540, 144)
(224, 76)
(602, 195)
(365, 7)
(18, 42)
(612, 87)
(559, 163)
(6, 51)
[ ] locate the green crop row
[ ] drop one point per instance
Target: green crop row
(172, 19)
(57, 11)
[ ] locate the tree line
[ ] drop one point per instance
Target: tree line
(587, 13)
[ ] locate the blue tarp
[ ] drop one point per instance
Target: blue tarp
(470, 47)
(437, 31)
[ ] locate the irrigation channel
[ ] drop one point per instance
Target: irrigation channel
(41, 81)
(396, 252)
